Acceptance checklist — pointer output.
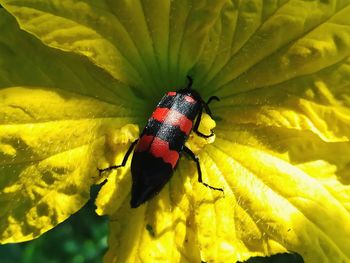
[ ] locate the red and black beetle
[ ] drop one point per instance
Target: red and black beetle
(162, 141)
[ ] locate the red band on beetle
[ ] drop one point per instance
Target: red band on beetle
(171, 93)
(160, 148)
(144, 143)
(174, 118)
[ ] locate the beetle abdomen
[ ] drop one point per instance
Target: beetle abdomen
(161, 142)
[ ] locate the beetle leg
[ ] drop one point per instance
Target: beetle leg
(196, 125)
(125, 159)
(199, 117)
(205, 105)
(196, 160)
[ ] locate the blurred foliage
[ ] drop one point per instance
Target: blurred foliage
(81, 238)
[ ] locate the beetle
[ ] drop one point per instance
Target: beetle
(162, 142)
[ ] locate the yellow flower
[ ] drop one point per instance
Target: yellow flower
(78, 85)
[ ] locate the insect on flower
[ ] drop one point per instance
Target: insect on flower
(162, 141)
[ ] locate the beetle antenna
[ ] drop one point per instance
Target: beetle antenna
(190, 82)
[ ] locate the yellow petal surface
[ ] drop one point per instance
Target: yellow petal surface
(281, 152)
(49, 137)
(49, 162)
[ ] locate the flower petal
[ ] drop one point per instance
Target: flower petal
(50, 138)
(125, 38)
(280, 69)
(283, 136)
(293, 39)
(168, 235)
(290, 207)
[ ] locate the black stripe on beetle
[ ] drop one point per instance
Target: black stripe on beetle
(162, 141)
(178, 136)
